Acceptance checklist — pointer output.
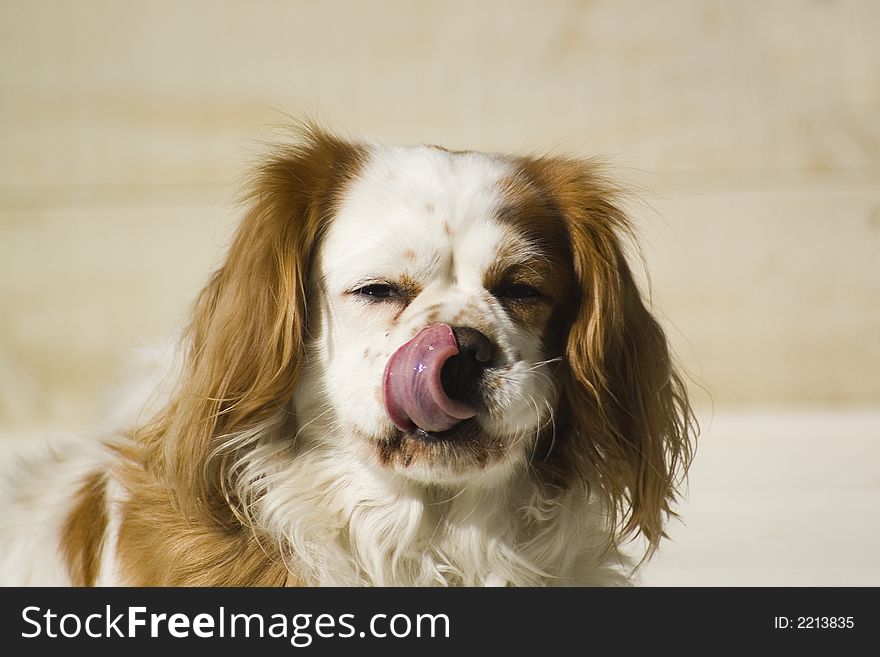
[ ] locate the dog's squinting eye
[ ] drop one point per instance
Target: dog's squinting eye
(377, 291)
(518, 292)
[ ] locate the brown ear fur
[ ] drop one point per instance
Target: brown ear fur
(624, 406)
(245, 339)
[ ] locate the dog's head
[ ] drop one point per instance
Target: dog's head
(453, 317)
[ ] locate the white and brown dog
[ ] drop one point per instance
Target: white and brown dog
(416, 366)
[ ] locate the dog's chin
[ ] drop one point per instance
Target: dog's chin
(464, 454)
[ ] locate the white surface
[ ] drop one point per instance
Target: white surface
(779, 498)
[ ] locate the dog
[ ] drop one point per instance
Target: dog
(416, 366)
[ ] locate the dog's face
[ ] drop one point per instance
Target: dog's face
(449, 316)
(432, 339)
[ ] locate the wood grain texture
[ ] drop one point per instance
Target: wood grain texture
(778, 498)
(749, 129)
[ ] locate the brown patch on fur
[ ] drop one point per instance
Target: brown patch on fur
(536, 253)
(433, 314)
(249, 324)
(533, 313)
(409, 287)
(471, 449)
(447, 228)
(409, 254)
(160, 546)
(388, 449)
(624, 424)
(183, 524)
(367, 352)
(84, 531)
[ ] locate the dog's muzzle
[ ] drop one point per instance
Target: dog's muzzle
(430, 381)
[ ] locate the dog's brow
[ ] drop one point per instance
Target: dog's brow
(515, 254)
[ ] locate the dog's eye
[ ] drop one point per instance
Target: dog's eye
(519, 292)
(377, 291)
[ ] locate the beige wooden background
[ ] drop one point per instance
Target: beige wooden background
(750, 132)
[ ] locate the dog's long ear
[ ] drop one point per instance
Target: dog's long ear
(245, 340)
(629, 425)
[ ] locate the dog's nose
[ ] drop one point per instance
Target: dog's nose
(463, 372)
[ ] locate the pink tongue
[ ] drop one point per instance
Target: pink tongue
(414, 396)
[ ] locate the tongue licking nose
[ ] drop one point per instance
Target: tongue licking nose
(414, 395)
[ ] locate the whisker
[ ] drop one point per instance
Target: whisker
(541, 363)
(449, 499)
(552, 430)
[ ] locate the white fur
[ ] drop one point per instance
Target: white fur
(346, 522)
(37, 493)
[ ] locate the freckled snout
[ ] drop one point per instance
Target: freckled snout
(431, 382)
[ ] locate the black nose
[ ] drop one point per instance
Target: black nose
(462, 374)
